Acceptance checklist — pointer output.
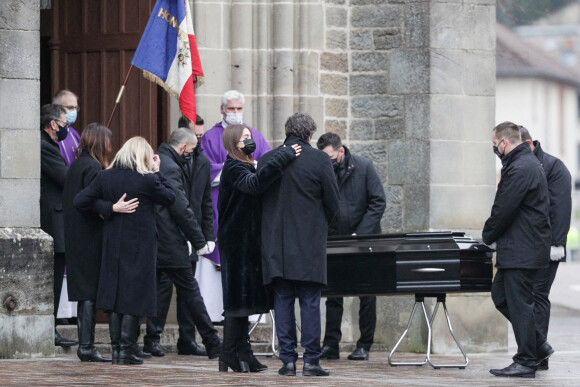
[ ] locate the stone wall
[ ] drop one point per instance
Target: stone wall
(26, 323)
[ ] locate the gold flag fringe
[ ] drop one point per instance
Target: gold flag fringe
(198, 80)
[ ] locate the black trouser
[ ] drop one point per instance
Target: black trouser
(512, 293)
(367, 321)
(236, 338)
(191, 311)
(542, 285)
(59, 264)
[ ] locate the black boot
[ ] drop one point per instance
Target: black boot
(115, 320)
(86, 332)
(135, 347)
(129, 333)
(229, 356)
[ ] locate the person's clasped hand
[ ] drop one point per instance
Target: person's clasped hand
(207, 249)
(557, 253)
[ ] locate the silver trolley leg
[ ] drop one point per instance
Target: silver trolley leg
(275, 351)
(420, 299)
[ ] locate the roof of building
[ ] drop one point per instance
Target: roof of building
(517, 58)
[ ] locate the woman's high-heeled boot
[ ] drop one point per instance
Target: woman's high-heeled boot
(86, 332)
(129, 333)
(115, 320)
(229, 357)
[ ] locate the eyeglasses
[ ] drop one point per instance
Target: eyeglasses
(77, 108)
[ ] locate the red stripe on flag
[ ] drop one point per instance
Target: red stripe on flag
(187, 100)
(195, 61)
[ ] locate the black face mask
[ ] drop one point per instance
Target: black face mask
(249, 146)
(334, 163)
(62, 132)
(186, 157)
(496, 151)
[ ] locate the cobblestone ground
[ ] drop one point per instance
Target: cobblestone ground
(174, 370)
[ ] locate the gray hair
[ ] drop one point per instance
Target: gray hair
(182, 136)
(50, 112)
(232, 95)
(300, 125)
(58, 96)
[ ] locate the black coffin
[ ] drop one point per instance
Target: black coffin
(430, 262)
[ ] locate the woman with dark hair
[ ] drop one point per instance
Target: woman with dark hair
(83, 234)
(127, 283)
(240, 248)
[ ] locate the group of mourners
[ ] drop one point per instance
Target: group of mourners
(135, 225)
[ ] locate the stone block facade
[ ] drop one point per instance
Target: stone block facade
(26, 295)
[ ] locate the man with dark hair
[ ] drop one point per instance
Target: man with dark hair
(560, 191)
(201, 205)
(296, 211)
(519, 225)
(197, 128)
(362, 204)
(176, 226)
(53, 169)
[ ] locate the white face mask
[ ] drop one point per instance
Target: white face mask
(234, 118)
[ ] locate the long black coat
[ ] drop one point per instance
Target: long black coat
(53, 171)
(362, 198)
(127, 282)
(83, 232)
(520, 215)
(239, 232)
(560, 191)
(200, 195)
(176, 223)
(296, 211)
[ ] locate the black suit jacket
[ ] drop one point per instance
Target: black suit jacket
(53, 171)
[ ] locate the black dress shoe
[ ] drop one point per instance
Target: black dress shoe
(215, 349)
(90, 354)
(154, 348)
(256, 366)
(60, 341)
(311, 369)
(515, 370)
(543, 366)
(127, 357)
(139, 353)
(288, 369)
(359, 354)
(191, 348)
(329, 353)
(543, 352)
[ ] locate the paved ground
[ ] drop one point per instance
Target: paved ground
(174, 370)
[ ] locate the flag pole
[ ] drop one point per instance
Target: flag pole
(120, 95)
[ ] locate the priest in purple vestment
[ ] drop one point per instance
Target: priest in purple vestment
(68, 147)
(232, 107)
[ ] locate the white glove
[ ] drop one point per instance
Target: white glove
(207, 249)
(492, 246)
(556, 252)
(189, 247)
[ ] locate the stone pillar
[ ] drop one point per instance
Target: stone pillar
(26, 320)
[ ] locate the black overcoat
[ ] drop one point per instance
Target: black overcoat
(239, 228)
(520, 215)
(52, 176)
(176, 223)
(362, 198)
(200, 195)
(127, 282)
(560, 191)
(296, 211)
(83, 232)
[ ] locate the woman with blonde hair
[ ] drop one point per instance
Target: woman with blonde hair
(239, 233)
(127, 284)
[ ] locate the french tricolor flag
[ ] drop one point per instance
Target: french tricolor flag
(167, 53)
